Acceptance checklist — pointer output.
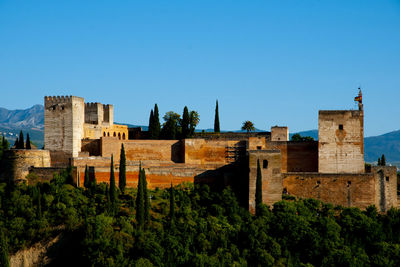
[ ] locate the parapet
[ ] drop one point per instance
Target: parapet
(54, 100)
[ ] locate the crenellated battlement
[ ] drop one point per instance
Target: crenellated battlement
(56, 100)
(92, 104)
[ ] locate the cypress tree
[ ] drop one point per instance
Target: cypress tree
(112, 182)
(4, 259)
(383, 160)
(21, 140)
(16, 144)
(5, 143)
(216, 120)
(39, 202)
(139, 200)
(28, 142)
(86, 181)
(379, 161)
(258, 195)
(151, 125)
(185, 122)
(122, 170)
(171, 203)
(156, 123)
(146, 198)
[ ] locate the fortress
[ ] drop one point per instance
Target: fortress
(331, 169)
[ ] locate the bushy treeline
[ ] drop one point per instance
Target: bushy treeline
(203, 228)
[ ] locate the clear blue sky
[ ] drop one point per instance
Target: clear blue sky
(271, 62)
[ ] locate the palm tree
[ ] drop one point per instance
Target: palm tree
(248, 126)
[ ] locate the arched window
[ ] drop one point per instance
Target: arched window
(119, 136)
(123, 136)
(104, 134)
(108, 134)
(115, 134)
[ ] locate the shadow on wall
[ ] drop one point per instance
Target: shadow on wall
(234, 175)
(178, 152)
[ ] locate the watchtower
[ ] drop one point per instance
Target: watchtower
(341, 140)
(64, 117)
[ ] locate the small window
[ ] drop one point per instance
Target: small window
(318, 182)
(104, 134)
(387, 178)
(341, 127)
(54, 107)
(258, 147)
(108, 134)
(265, 164)
(62, 107)
(348, 183)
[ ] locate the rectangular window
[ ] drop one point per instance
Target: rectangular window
(258, 147)
(341, 127)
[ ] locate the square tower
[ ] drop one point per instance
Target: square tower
(341, 141)
(64, 117)
(279, 133)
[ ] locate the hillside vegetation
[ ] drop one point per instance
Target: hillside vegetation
(206, 228)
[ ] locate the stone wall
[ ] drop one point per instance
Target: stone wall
(341, 141)
(270, 163)
(279, 133)
(348, 190)
(204, 151)
(143, 150)
(297, 156)
(46, 174)
(17, 162)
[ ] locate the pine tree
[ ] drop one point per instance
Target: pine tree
(139, 200)
(379, 161)
(146, 198)
(21, 144)
(122, 170)
(4, 258)
(112, 182)
(28, 142)
(185, 123)
(216, 120)
(86, 181)
(156, 123)
(171, 203)
(383, 160)
(151, 125)
(258, 195)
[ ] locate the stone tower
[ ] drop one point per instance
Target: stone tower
(341, 140)
(64, 118)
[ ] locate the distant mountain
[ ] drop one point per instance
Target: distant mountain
(29, 120)
(311, 133)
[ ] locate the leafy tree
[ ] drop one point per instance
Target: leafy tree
(21, 140)
(185, 123)
(258, 196)
(140, 199)
(216, 119)
(194, 121)
(170, 127)
(4, 259)
(113, 193)
(298, 138)
(28, 142)
(248, 126)
(122, 170)
(156, 123)
(86, 181)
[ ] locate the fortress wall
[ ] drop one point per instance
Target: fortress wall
(348, 190)
(202, 151)
(92, 146)
(18, 161)
(341, 141)
(256, 143)
(297, 156)
(143, 150)
(270, 164)
(279, 133)
(46, 174)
